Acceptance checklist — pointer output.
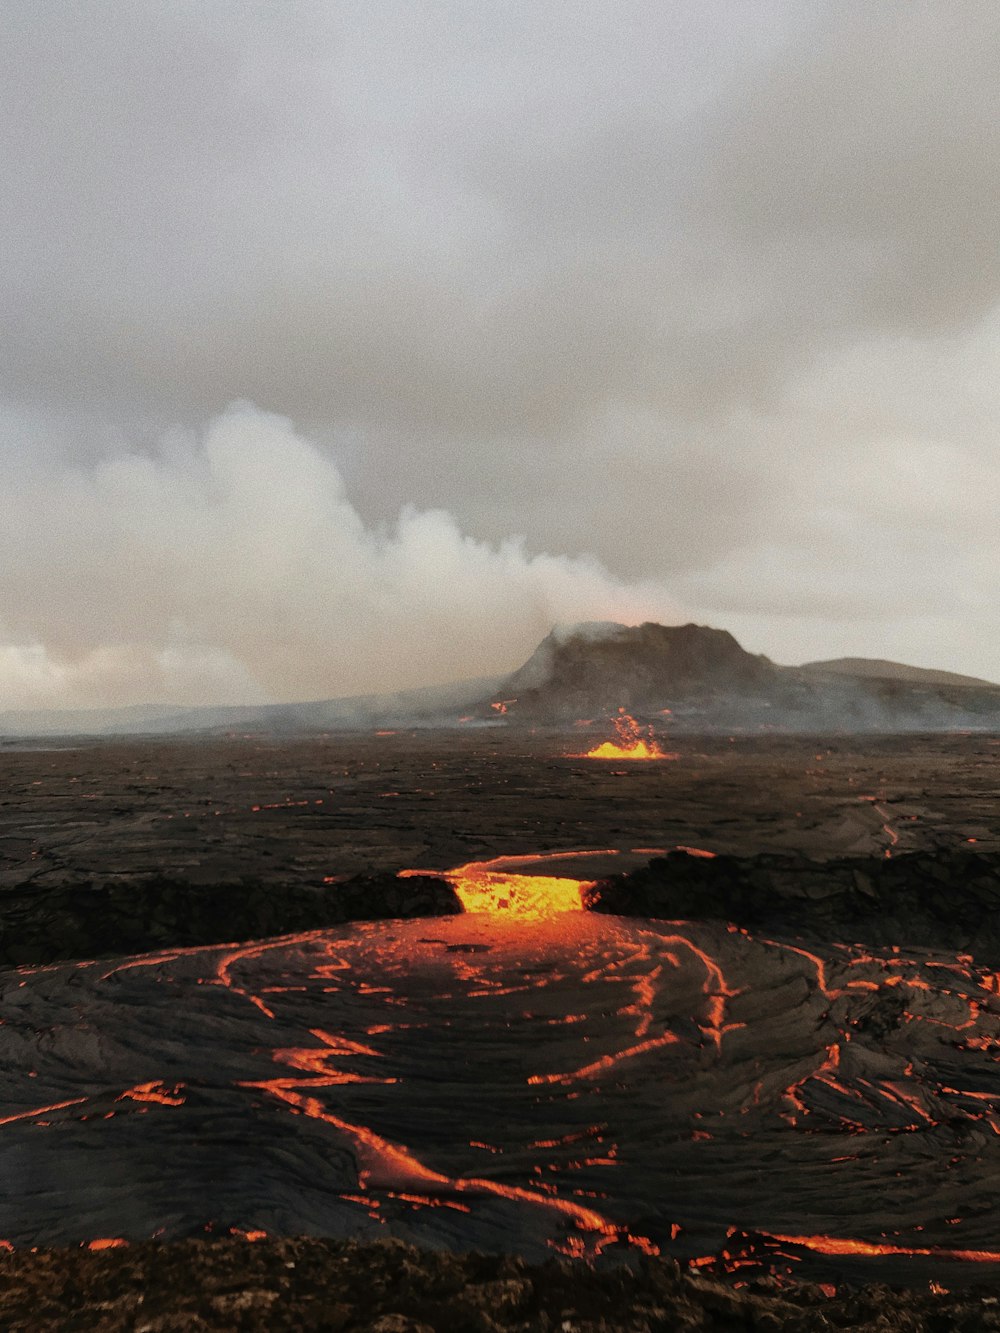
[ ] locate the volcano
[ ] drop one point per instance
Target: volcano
(702, 679)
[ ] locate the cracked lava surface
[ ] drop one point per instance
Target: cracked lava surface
(530, 1082)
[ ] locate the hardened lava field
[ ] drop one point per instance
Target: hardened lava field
(526, 1076)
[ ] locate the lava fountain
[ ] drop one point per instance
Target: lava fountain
(630, 743)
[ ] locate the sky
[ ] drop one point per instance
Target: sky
(349, 347)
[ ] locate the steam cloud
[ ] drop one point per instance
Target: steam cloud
(710, 291)
(232, 567)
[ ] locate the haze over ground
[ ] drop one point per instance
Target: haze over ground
(531, 314)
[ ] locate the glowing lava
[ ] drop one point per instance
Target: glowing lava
(503, 887)
(630, 742)
(491, 887)
(532, 1077)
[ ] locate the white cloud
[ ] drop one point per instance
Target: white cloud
(708, 291)
(231, 566)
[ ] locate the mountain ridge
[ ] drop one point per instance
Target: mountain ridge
(879, 668)
(703, 679)
(697, 676)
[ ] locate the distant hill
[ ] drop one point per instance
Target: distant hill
(432, 705)
(875, 668)
(597, 668)
(704, 680)
(685, 677)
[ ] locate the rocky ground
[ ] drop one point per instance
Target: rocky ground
(86, 920)
(305, 1285)
(947, 898)
(111, 849)
(221, 811)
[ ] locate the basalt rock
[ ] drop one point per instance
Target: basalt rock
(944, 899)
(88, 920)
(305, 1284)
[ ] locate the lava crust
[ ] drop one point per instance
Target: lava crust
(589, 1085)
(784, 1069)
(923, 899)
(87, 920)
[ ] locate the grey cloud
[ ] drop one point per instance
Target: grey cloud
(706, 292)
(233, 561)
(859, 174)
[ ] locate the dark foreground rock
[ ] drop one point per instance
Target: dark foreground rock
(945, 899)
(306, 1284)
(88, 920)
(935, 899)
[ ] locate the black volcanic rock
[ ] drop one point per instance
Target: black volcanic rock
(306, 1283)
(86, 920)
(704, 680)
(946, 899)
(595, 669)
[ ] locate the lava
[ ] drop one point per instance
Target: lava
(384, 1164)
(154, 1091)
(37, 1111)
(839, 1245)
(642, 1071)
(493, 887)
(607, 1062)
(503, 887)
(630, 743)
(887, 828)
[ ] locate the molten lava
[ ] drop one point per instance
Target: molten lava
(630, 743)
(528, 1078)
(507, 886)
(491, 887)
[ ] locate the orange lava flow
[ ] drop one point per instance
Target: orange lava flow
(630, 743)
(715, 988)
(527, 897)
(491, 887)
(608, 1062)
(640, 750)
(837, 1245)
(383, 1164)
(500, 887)
(154, 1091)
(42, 1110)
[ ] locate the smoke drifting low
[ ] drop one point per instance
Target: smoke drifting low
(232, 567)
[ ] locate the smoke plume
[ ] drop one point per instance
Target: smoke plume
(230, 566)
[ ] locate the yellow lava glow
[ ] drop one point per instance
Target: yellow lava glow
(524, 897)
(640, 750)
(629, 742)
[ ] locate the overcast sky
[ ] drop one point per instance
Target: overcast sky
(347, 346)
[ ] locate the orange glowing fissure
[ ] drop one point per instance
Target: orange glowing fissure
(501, 886)
(837, 1245)
(629, 742)
(492, 887)
(390, 1167)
